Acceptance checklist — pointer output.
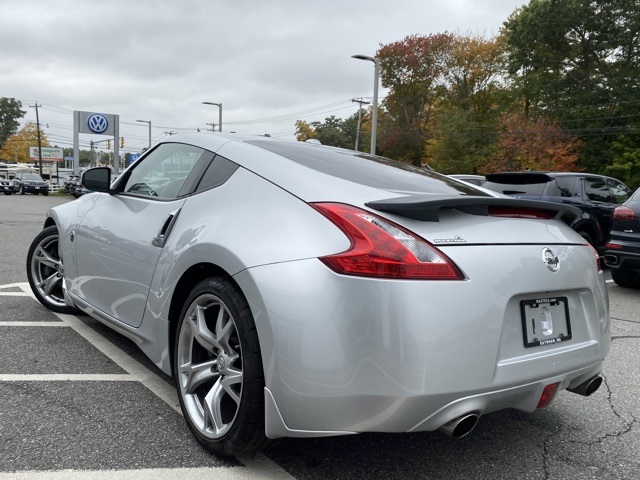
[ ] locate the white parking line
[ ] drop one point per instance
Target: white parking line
(255, 467)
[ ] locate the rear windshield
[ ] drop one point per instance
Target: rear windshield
(518, 184)
(370, 170)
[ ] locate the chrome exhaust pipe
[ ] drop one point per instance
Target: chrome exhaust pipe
(461, 426)
(589, 387)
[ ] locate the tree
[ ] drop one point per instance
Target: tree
(414, 70)
(333, 131)
(577, 61)
(10, 112)
(16, 147)
(533, 145)
(304, 131)
(464, 123)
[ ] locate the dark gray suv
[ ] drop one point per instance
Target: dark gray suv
(31, 183)
(596, 195)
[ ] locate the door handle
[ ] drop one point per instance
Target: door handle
(161, 237)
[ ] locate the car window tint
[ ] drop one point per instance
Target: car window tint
(516, 188)
(597, 189)
(369, 170)
(568, 186)
(619, 190)
(218, 172)
(163, 172)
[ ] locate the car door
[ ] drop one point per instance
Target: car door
(604, 199)
(121, 237)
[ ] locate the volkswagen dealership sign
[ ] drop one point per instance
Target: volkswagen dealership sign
(97, 123)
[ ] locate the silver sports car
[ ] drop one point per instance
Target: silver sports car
(298, 290)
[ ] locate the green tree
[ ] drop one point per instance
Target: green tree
(577, 61)
(10, 112)
(333, 131)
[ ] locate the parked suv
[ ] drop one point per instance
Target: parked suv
(31, 183)
(8, 186)
(623, 250)
(596, 195)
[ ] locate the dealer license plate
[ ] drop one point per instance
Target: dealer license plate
(545, 321)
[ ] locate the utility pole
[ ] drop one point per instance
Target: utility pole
(39, 141)
(360, 102)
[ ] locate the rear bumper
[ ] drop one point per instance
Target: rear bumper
(346, 354)
(398, 418)
(627, 258)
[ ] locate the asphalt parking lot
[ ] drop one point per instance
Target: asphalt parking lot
(79, 401)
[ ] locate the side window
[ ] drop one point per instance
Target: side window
(619, 190)
(596, 189)
(219, 171)
(163, 172)
(568, 186)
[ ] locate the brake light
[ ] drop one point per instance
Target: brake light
(547, 395)
(518, 212)
(613, 246)
(623, 213)
(382, 249)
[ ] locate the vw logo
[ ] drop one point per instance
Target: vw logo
(550, 259)
(97, 123)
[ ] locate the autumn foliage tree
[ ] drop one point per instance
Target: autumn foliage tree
(16, 147)
(414, 70)
(533, 145)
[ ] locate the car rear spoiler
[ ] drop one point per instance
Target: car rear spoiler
(427, 207)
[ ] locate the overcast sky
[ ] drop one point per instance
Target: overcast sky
(269, 62)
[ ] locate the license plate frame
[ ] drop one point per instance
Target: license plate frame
(545, 321)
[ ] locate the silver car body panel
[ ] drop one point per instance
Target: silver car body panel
(346, 354)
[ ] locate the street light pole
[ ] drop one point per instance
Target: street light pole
(219, 105)
(376, 80)
(149, 122)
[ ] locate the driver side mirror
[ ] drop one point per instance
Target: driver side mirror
(97, 179)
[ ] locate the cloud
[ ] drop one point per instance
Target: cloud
(160, 59)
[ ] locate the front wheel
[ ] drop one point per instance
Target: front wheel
(8, 193)
(218, 369)
(45, 271)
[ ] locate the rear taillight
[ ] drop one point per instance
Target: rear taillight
(623, 213)
(613, 246)
(382, 249)
(518, 212)
(596, 256)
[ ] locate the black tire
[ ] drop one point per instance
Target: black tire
(45, 193)
(8, 193)
(45, 271)
(625, 278)
(218, 369)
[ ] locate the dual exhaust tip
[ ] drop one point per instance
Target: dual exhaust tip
(462, 426)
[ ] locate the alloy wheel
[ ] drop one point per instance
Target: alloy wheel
(47, 270)
(209, 364)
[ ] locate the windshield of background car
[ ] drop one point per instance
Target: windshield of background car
(164, 171)
(370, 170)
(32, 177)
